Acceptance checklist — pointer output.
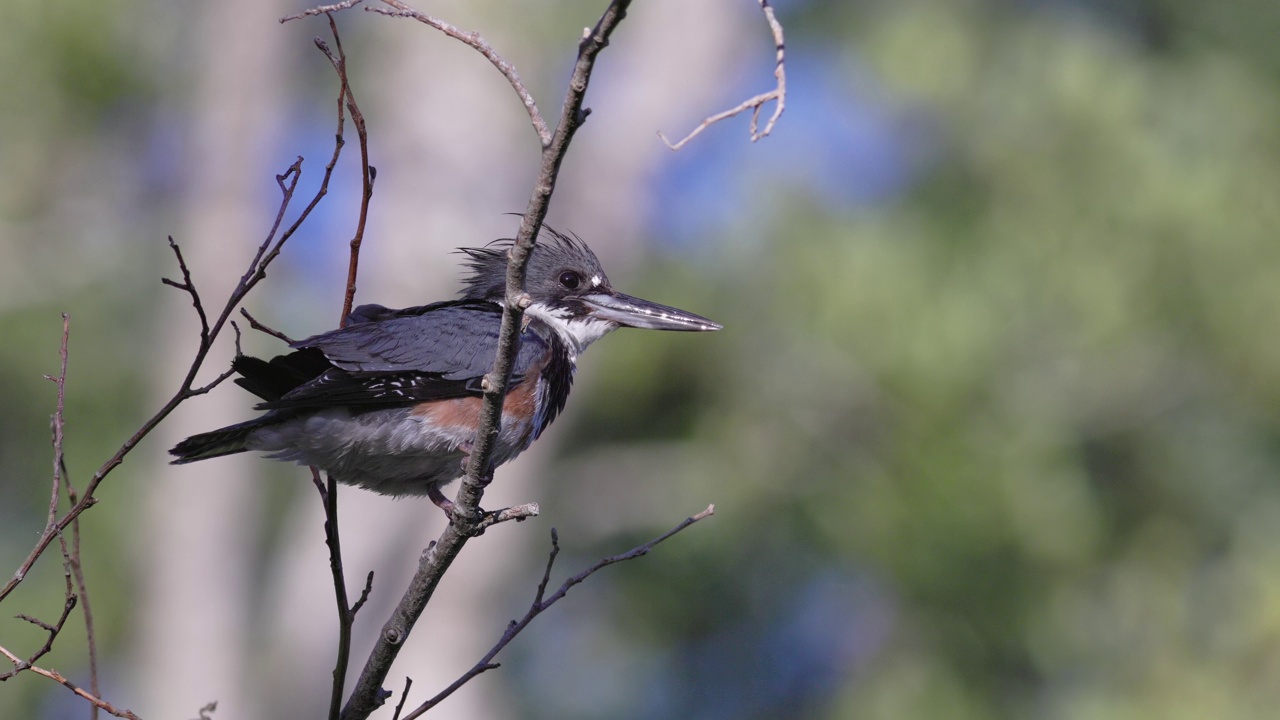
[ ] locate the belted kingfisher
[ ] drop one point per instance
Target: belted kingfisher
(391, 402)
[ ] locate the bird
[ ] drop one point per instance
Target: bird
(391, 401)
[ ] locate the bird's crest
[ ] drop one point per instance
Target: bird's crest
(486, 277)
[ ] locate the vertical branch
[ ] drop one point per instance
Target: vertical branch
(329, 491)
(60, 381)
(61, 479)
(466, 521)
(368, 173)
(572, 116)
(346, 618)
(74, 562)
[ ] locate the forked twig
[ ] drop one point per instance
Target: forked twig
(57, 677)
(256, 325)
(757, 103)
(474, 40)
(540, 604)
(468, 37)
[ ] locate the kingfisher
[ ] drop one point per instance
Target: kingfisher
(391, 402)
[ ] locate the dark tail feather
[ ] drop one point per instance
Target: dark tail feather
(227, 441)
(271, 380)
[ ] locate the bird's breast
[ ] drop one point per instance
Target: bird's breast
(460, 417)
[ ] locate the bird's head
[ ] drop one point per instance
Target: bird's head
(570, 291)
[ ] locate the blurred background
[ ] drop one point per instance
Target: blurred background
(992, 430)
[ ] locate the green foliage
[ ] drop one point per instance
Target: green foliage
(1035, 401)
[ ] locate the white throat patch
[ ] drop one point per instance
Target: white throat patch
(577, 333)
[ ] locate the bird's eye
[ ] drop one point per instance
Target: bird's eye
(570, 279)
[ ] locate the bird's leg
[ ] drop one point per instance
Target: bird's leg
(440, 501)
(437, 497)
(465, 448)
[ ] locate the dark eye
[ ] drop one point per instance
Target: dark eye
(570, 279)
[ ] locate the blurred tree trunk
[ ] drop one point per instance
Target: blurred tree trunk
(193, 608)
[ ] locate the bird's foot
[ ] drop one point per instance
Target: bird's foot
(481, 520)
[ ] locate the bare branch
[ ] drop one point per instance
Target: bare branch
(74, 564)
(61, 382)
(322, 10)
(346, 617)
(466, 520)
(267, 252)
(474, 40)
(188, 287)
(404, 695)
(57, 677)
(253, 323)
(546, 574)
(514, 628)
(222, 377)
(364, 595)
(368, 173)
(329, 492)
(69, 604)
(755, 104)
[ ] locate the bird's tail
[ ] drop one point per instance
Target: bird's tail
(226, 441)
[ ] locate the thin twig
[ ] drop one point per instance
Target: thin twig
(60, 381)
(267, 252)
(322, 10)
(329, 493)
(82, 589)
(345, 616)
(470, 38)
(52, 631)
(755, 104)
(404, 695)
(364, 595)
(74, 560)
(222, 377)
(253, 323)
(366, 696)
(57, 677)
(368, 173)
(474, 40)
(188, 287)
(514, 628)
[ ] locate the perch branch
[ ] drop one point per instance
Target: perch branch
(467, 520)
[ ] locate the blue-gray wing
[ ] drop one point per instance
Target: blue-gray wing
(407, 356)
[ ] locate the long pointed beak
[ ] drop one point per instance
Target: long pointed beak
(637, 313)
